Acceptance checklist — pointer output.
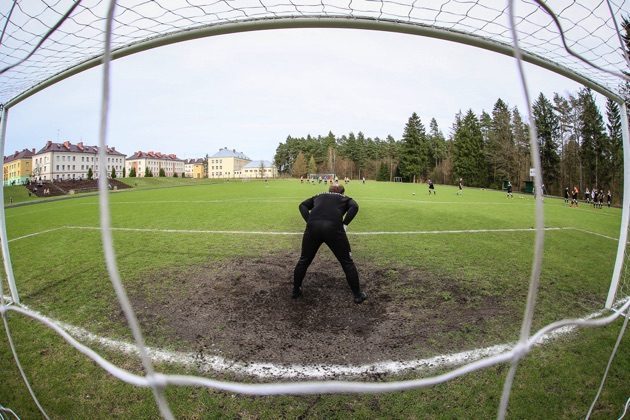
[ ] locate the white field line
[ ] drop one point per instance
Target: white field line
(248, 232)
(221, 232)
(408, 232)
(35, 234)
(210, 363)
(595, 233)
(244, 232)
(236, 200)
(295, 200)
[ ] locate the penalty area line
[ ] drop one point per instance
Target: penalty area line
(254, 232)
(35, 234)
(250, 232)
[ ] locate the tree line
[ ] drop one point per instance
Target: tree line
(577, 148)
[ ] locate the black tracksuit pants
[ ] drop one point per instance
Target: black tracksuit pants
(333, 235)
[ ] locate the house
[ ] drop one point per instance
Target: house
(259, 169)
(194, 168)
(227, 163)
(140, 162)
(17, 167)
(64, 161)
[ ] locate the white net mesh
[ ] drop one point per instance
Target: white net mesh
(588, 29)
(40, 40)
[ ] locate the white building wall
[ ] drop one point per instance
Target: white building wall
(55, 165)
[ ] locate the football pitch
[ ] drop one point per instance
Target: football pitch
(208, 269)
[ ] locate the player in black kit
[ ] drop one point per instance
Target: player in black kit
(325, 223)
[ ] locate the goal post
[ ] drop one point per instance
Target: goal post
(6, 255)
(625, 212)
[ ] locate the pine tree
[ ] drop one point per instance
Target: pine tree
(613, 114)
(392, 153)
(563, 110)
(383, 172)
(132, 172)
(500, 148)
(162, 173)
(124, 172)
(468, 152)
(90, 174)
(312, 166)
(437, 143)
(113, 174)
(547, 128)
(596, 148)
(147, 172)
(299, 166)
(414, 151)
(520, 133)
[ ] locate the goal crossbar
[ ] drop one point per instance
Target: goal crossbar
(318, 22)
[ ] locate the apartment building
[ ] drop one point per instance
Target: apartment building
(259, 169)
(64, 161)
(227, 163)
(17, 168)
(154, 161)
(194, 168)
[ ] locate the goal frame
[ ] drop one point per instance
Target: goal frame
(158, 381)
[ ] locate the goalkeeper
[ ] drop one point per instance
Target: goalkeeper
(325, 223)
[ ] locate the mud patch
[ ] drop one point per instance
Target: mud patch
(241, 309)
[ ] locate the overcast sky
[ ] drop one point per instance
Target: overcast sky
(249, 91)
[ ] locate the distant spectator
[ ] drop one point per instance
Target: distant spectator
(609, 198)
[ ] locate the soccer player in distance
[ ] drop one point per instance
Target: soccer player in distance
(327, 217)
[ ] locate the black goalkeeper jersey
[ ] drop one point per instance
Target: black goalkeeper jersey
(329, 207)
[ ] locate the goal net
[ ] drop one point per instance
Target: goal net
(42, 43)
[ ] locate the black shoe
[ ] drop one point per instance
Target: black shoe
(360, 297)
(297, 292)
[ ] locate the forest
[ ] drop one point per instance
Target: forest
(578, 145)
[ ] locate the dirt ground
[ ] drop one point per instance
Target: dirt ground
(241, 309)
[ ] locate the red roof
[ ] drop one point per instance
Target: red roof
(154, 155)
(66, 146)
(24, 154)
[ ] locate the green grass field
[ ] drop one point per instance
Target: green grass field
(166, 225)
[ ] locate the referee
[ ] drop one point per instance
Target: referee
(326, 223)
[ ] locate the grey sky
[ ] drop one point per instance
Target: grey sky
(249, 91)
